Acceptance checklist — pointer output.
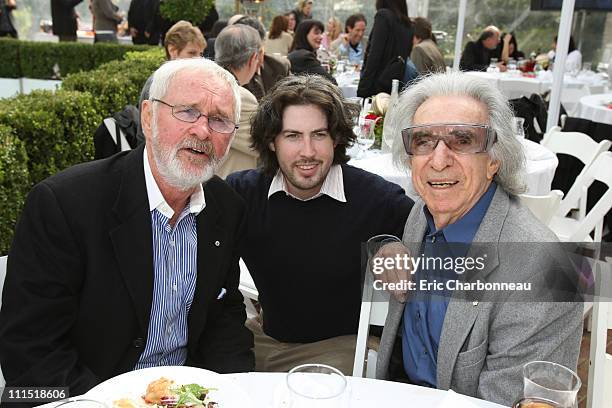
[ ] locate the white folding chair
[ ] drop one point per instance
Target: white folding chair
(583, 148)
(3, 261)
(572, 230)
(599, 392)
(374, 307)
(248, 290)
(543, 207)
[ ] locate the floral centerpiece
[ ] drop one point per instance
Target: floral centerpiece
(380, 103)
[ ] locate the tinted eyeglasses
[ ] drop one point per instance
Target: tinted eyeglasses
(191, 115)
(421, 140)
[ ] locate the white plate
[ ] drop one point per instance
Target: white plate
(133, 385)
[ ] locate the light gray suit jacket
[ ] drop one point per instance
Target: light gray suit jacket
(485, 343)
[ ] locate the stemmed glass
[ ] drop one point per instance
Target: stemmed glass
(366, 135)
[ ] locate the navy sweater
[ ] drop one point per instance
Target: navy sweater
(305, 257)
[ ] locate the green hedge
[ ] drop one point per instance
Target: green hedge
(14, 183)
(32, 59)
(117, 83)
(56, 127)
(9, 50)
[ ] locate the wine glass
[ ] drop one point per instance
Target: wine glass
(317, 386)
(552, 382)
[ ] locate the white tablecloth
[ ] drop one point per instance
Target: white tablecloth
(540, 168)
(348, 81)
(512, 86)
(265, 391)
(592, 107)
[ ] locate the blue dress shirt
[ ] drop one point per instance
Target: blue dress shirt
(424, 315)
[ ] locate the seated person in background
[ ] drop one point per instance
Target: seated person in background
(303, 55)
(510, 48)
(271, 68)
(477, 54)
(209, 52)
(573, 61)
(334, 29)
(352, 44)
(238, 49)
(278, 40)
(425, 54)
(131, 262)
(184, 40)
(308, 214)
(472, 342)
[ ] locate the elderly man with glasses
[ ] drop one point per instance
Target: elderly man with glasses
(131, 262)
(467, 168)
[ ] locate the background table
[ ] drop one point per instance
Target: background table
(592, 107)
(540, 168)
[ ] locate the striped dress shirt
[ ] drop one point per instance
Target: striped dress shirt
(175, 272)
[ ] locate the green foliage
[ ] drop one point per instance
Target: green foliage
(9, 49)
(45, 60)
(14, 183)
(117, 83)
(194, 11)
(57, 128)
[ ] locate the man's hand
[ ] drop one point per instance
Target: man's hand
(397, 273)
(133, 32)
(502, 67)
(345, 39)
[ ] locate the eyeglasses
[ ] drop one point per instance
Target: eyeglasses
(191, 115)
(421, 140)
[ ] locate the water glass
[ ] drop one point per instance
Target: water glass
(519, 130)
(317, 386)
(551, 381)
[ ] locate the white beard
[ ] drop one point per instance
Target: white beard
(171, 168)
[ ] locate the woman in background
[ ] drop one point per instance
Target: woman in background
(303, 55)
(425, 54)
(334, 29)
(303, 11)
(278, 40)
(391, 37)
(510, 48)
(291, 21)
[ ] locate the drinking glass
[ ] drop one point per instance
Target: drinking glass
(317, 386)
(366, 135)
(551, 381)
(519, 130)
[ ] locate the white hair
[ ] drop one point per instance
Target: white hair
(164, 75)
(507, 150)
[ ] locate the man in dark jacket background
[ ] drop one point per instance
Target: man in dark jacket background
(64, 19)
(477, 54)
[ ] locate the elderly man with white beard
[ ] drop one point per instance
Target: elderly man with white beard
(130, 262)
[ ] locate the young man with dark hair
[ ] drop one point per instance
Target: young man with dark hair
(352, 44)
(308, 214)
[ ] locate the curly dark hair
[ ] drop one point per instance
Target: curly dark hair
(303, 90)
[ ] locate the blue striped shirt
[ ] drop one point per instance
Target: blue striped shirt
(175, 272)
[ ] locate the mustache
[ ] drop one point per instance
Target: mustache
(205, 146)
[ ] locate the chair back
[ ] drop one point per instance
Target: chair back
(600, 171)
(543, 207)
(599, 392)
(248, 289)
(582, 147)
(374, 308)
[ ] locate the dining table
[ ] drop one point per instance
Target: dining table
(597, 108)
(348, 82)
(269, 390)
(541, 164)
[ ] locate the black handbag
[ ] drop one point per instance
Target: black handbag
(394, 70)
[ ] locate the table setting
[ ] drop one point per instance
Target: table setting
(546, 385)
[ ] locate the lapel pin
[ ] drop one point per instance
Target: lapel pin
(217, 243)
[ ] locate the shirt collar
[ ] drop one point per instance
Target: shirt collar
(197, 201)
(333, 186)
(465, 228)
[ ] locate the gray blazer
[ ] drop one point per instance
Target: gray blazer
(484, 344)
